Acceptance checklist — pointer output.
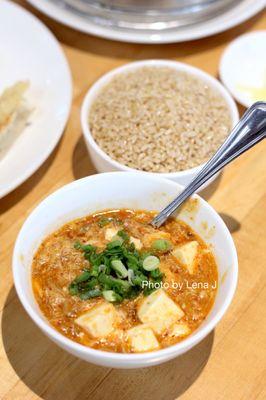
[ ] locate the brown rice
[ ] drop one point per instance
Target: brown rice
(159, 119)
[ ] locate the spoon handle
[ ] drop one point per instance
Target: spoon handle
(250, 130)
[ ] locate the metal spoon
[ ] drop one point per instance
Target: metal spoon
(250, 130)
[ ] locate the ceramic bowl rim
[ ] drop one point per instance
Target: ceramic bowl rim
(179, 66)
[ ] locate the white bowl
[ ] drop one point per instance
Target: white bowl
(103, 162)
(120, 190)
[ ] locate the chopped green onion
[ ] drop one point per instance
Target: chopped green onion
(117, 238)
(90, 284)
(138, 280)
(130, 276)
(104, 221)
(123, 235)
(122, 285)
(90, 293)
(114, 283)
(119, 267)
(88, 248)
(94, 271)
(132, 261)
(106, 280)
(73, 289)
(102, 268)
(111, 296)
(114, 243)
(83, 277)
(77, 245)
(150, 263)
(162, 245)
(118, 271)
(157, 274)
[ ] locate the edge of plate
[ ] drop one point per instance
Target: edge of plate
(219, 24)
(33, 168)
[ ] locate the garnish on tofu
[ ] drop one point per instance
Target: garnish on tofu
(112, 282)
(118, 272)
(103, 221)
(162, 245)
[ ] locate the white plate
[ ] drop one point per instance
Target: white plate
(29, 51)
(236, 15)
(243, 68)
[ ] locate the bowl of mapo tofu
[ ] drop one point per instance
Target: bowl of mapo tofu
(102, 283)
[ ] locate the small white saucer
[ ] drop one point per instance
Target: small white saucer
(243, 68)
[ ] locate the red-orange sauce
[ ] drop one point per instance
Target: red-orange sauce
(57, 263)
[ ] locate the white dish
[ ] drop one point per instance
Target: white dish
(243, 68)
(105, 163)
(29, 51)
(121, 190)
(236, 15)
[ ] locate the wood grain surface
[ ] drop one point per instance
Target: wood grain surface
(230, 364)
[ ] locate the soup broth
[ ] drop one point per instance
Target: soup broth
(112, 282)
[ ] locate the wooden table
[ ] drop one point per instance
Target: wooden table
(230, 363)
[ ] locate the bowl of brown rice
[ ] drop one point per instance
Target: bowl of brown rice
(156, 116)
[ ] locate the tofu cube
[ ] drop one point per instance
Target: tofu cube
(136, 242)
(159, 311)
(99, 321)
(110, 233)
(142, 338)
(181, 329)
(186, 254)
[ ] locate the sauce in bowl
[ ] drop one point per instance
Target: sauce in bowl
(112, 282)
